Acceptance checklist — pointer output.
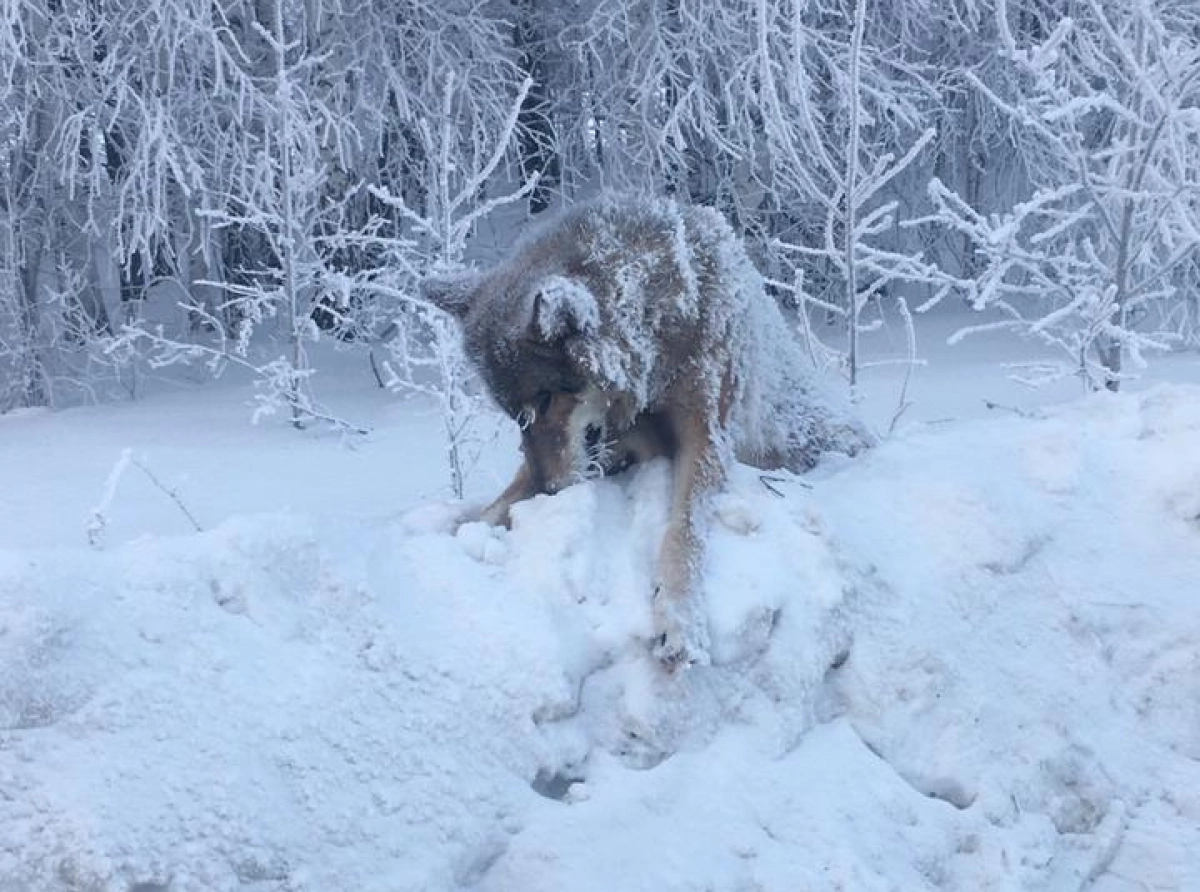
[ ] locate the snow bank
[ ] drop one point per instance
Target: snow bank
(968, 660)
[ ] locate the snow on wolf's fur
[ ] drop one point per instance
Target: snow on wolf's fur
(664, 290)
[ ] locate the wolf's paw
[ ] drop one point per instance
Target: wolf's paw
(672, 651)
(678, 643)
(494, 515)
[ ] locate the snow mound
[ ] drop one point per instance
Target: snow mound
(967, 660)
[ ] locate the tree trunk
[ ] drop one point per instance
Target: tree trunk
(1110, 358)
(33, 387)
(852, 173)
(537, 143)
(104, 301)
(30, 224)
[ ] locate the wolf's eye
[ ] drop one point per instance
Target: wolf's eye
(526, 417)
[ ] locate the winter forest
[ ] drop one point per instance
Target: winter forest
(229, 182)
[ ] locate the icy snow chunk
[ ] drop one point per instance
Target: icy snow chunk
(482, 541)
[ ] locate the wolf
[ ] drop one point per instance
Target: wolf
(628, 329)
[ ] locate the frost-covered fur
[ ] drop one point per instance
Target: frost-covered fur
(627, 329)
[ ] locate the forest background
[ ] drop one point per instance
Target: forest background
(229, 182)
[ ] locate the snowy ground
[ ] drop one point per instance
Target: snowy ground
(969, 660)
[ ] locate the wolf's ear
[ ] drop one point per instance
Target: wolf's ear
(454, 294)
(562, 307)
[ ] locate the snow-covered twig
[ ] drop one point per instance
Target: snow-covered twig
(170, 493)
(97, 523)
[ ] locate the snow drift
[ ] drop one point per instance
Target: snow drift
(968, 660)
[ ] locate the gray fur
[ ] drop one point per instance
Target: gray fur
(453, 294)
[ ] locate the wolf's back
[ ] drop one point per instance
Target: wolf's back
(682, 314)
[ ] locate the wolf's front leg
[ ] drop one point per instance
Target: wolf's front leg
(681, 626)
(680, 629)
(523, 487)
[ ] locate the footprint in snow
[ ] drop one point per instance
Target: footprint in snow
(736, 515)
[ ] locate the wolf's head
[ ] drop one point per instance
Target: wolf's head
(530, 342)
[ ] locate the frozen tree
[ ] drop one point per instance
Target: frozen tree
(420, 336)
(839, 125)
(860, 214)
(268, 195)
(98, 97)
(319, 124)
(287, 197)
(38, 94)
(1098, 259)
